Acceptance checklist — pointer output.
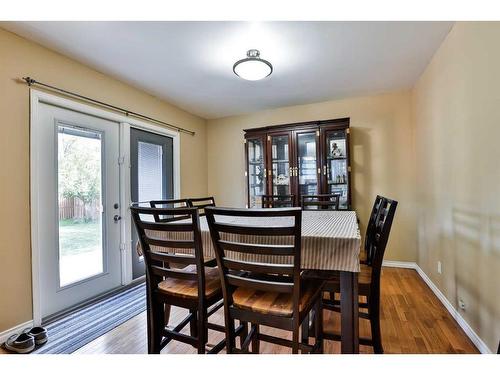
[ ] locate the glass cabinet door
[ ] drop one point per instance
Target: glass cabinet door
(336, 168)
(280, 164)
(306, 163)
(256, 171)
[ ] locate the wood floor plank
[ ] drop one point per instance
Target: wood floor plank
(413, 320)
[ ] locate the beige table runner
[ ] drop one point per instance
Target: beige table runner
(330, 239)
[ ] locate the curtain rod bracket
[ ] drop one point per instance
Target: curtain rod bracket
(30, 82)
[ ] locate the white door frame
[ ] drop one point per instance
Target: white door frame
(37, 97)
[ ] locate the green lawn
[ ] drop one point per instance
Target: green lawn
(76, 237)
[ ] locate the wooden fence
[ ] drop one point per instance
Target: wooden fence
(73, 208)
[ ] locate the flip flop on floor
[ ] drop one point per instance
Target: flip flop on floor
(22, 343)
(38, 333)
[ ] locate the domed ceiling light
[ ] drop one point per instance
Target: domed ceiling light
(253, 67)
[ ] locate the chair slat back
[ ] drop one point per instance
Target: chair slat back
(383, 224)
(329, 202)
(370, 228)
(278, 201)
(201, 203)
(169, 203)
(168, 244)
(239, 235)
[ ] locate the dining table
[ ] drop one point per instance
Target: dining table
(330, 244)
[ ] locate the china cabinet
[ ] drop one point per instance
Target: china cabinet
(300, 159)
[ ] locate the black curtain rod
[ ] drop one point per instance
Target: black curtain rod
(31, 82)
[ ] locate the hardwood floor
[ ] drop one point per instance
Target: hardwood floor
(413, 320)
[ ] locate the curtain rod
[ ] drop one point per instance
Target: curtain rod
(31, 82)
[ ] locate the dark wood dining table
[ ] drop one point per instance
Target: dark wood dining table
(330, 244)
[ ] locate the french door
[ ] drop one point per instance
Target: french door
(151, 177)
(78, 207)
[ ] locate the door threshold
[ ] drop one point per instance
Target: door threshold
(61, 314)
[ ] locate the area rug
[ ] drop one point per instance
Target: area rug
(80, 327)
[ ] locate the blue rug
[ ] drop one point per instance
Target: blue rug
(80, 327)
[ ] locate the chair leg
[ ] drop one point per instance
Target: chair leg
(318, 325)
(305, 329)
(158, 325)
(244, 332)
(230, 335)
(193, 324)
(149, 323)
(167, 309)
(332, 296)
(374, 313)
(202, 330)
(295, 337)
(255, 339)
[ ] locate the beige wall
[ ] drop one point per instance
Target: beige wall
(382, 149)
(19, 58)
(456, 111)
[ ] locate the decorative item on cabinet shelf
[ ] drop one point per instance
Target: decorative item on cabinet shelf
(339, 180)
(335, 150)
(281, 180)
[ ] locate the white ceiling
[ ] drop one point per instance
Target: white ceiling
(190, 63)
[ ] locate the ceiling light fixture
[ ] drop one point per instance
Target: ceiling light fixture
(253, 67)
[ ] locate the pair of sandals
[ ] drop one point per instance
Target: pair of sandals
(27, 341)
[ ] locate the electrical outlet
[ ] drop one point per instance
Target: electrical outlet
(439, 267)
(461, 304)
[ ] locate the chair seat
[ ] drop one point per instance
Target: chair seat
(189, 288)
(272, 303)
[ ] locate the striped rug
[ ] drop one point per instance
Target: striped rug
(80, 327)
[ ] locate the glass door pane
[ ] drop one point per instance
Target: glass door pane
(306, 162)
(151, 178)
(256, 176)
(81, 251)
(336, 167)
(150, 170)
(280, 162)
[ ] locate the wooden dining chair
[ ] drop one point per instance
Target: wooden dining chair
(261, 281)
(370, 229)
(329, 202)
(278, 201)
(169, 203)
(201, 203)
(176, 275)
(369, 276)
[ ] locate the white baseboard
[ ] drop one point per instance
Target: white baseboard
(473, 336)
(398, 264)
(17, 329)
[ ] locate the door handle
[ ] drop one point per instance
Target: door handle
(117, 218)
